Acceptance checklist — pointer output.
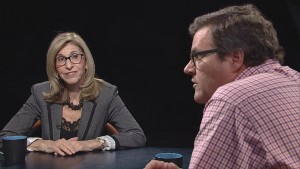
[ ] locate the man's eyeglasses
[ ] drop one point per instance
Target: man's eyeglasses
(201, 54)
(75, 58)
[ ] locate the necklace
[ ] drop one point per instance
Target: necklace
(74, 107)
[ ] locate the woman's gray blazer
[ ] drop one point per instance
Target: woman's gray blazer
(108, 107)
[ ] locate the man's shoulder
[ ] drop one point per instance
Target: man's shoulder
(241, 89)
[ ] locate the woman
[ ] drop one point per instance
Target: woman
(74, 106)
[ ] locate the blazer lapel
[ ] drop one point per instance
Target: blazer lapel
(87, 113)
(54, 117)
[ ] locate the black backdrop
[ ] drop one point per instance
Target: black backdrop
(140, 46)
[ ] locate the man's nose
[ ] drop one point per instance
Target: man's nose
(189, 68)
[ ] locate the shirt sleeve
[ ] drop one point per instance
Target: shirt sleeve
(30, 140)
(111, 144)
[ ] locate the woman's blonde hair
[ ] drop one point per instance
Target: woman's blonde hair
(91, 87)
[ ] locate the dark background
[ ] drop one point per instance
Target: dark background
(140, 46)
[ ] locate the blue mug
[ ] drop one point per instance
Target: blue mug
(170, 157)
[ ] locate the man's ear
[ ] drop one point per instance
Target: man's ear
(237, 58)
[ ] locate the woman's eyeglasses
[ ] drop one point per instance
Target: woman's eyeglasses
(75, 58)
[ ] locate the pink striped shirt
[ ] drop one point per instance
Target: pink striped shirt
(252, 122)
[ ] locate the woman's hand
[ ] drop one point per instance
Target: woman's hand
(155, 164)
(62, 146)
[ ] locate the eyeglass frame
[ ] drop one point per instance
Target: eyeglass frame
(195, 55)
(66, 58)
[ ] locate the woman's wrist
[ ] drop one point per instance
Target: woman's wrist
(102, 143)
(37, 145)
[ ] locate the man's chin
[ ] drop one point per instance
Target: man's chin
(199, 99)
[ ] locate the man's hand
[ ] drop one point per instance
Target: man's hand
(155, 164)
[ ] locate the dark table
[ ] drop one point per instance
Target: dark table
(121, 159)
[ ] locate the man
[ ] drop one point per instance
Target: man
(252, 113)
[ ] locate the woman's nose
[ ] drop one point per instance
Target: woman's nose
(69, 64)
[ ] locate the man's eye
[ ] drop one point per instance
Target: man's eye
(199, 57)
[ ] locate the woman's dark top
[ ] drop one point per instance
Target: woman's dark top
(69, 129)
